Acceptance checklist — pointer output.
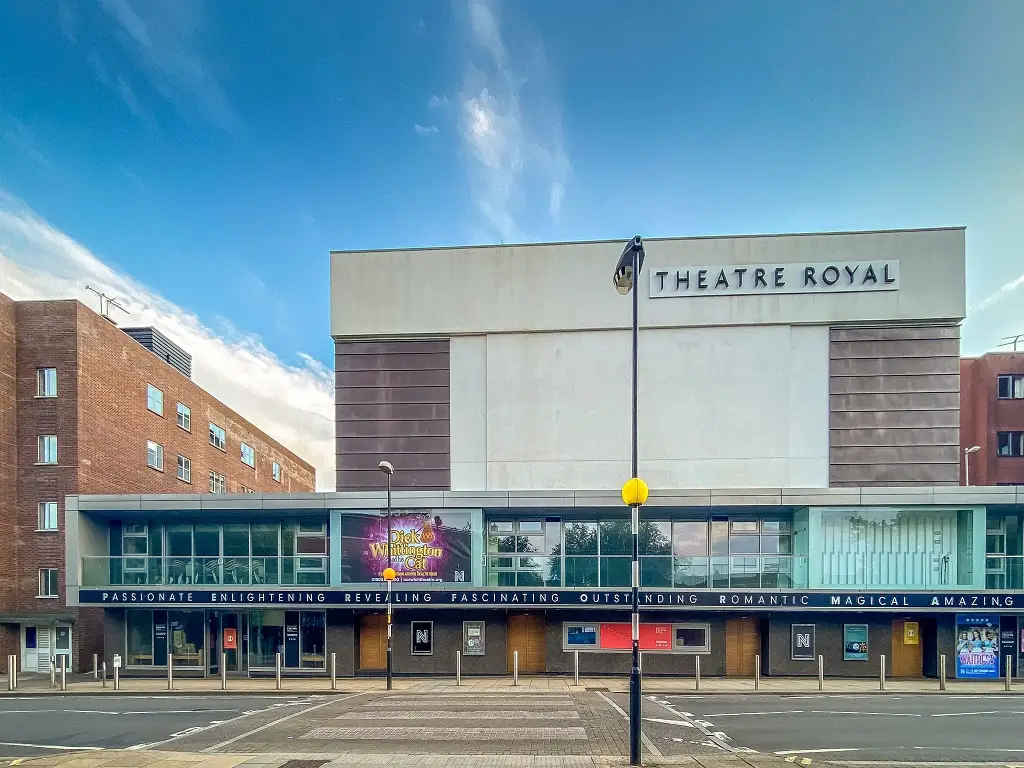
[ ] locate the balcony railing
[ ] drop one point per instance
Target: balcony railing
(134, 570)
(1004, 571)
(900, 570)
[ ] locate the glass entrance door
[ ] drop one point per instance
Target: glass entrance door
(232, 634)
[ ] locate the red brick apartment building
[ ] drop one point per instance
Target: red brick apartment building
(992, 419)
(86, 408)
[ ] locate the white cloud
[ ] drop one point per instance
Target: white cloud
(292, 403)
(438, 101)
(511, 124)
(999, 294)
(425, 130)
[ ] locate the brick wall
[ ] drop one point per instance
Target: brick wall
(983, 415)
(8, 456)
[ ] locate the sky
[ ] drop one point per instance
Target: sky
(199, 160)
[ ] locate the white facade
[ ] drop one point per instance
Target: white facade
(734, 385)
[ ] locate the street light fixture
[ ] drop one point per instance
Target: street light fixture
(967, 463)
(634, 492)
(389, 573)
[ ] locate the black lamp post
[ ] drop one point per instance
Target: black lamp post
(389, 573)
(634, 493)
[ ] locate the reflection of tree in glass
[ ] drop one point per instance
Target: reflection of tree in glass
(616, 539)
(511, 544)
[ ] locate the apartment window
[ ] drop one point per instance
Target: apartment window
(248, 455)
(154, 400)
(154, 455)
(1010, 443)
(46, 382)
(1011, 386)
(246, 489)
(184, 417)
(276, 469)
(218, 483)
(184, 469)
(47, 516)
(46, 451)
(47, 582)
(217, 437)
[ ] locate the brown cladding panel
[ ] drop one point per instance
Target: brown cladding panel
(894, 408)
(393, 402)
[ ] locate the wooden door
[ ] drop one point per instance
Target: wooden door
(373, 641)
(742, 644)
(526, 635)
(907, 658)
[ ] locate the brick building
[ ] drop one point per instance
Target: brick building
(992, 418)
(86, 408)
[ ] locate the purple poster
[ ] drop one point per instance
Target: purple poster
(426, 546)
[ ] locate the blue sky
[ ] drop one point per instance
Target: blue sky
(205, 157)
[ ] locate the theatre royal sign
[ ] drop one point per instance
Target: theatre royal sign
(762, 279)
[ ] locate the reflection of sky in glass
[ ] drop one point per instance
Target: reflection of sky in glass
(690, 538)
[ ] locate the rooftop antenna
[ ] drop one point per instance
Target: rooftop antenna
(106, 302)
(1011, 341)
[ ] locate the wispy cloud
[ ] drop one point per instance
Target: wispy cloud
(163, 39)
(511, 124)
(19, 137)
(292, 403)
(1002, 292)
(128, 96)
(425, 130)
(438, 101)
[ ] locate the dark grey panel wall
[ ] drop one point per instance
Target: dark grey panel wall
(392, 402)
(894, 406)
(828, 642)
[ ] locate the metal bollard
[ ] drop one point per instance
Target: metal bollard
(942, 672)
(170, 672)
(515, 667)
(277, 671)
(757, 672)
(103, 671)
(334, 671)
(696, 678)
(576, 668)
(821, 673)
(53, 671)
(1009, 669)
(458, 668)
(881, 675)
(223, 671)
(12, 675)
(63, 672)
(95, 666)
(117, 678)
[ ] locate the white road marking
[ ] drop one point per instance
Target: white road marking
(46, 746)
(279, 720)
(712, 739)
(643, 736)
(881, 714)
(704, 723)
(815, 751)
(670, 722)
(745, 714)
(960, 714)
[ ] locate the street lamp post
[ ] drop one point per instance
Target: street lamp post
(634, 492)
(389, 573)
(967, 462)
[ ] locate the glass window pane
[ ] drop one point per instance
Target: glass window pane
(529, 579)
(616, 537)
(581, 571)
(179, 540)
(135, 545)
(501, 578)
(139, 648)
(691, 572)
(655, 538)
(581, 539)
(690, 537)
(691, 637)
(744, 545)
(207, 539)
(744, 526)
(775, 526)
(780, 545)
(311, 545)
(501, 544)
(616, 571)
(655, 572)
(501, 562)
(499, 526)
(719, 537)
(581, 635)
(313, 639)
(531, 526)
(186, 638)
(266, 637)
(553, 574)
(530, 543)
(264, 539)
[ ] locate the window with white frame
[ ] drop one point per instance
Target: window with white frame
(47, 520)
(691, 638)
(184, 469)
(276, 471)
(46, 449)
(154, 455)
(218, 483)
(46, 382)
(248, 455)
(47, 582)
(588, 636)
(1010, 443)
(155, 400)
(246, 489)
(218, 439)
(1011, 386)
(184, 417)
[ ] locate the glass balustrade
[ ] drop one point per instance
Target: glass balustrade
(1004, 572)
(135, 571)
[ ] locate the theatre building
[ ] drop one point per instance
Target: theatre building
(798, 425)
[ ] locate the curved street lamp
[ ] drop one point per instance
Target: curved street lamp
(967, 463)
